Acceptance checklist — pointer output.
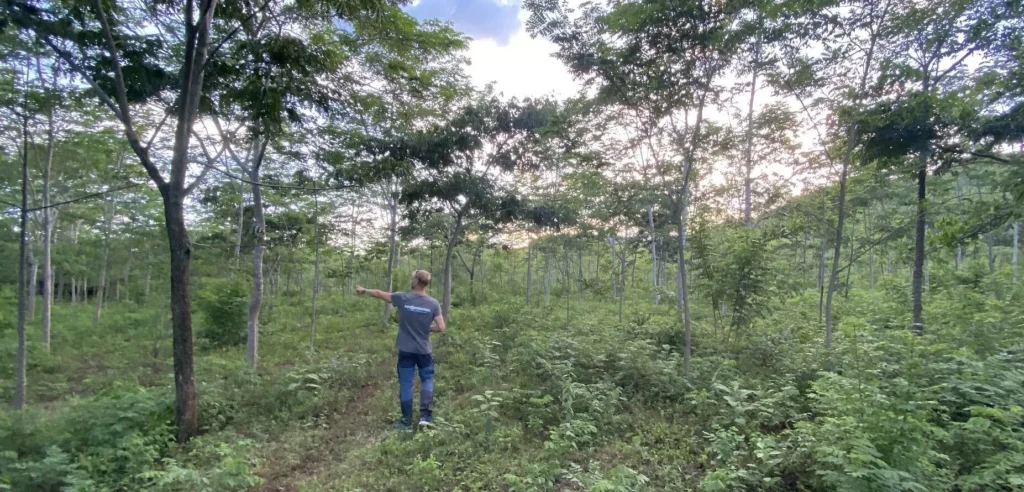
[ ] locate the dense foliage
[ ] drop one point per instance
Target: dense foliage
(830, 192)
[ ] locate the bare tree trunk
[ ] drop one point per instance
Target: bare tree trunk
(529, 271)
(23, 247)
(256, 300)
(919, 253)
(654, 254)
(186, 400)
(149, 272)
(316, 271)
(128, 275)
(453, 241)
(1016, 238)
(48, 220)
(102, 283)
(990, 253)
(683, 296)
(748, 158)
(241, 226)
(74, 292)
(803, 260)
(547, 279)
(33, 284)
(392, 201)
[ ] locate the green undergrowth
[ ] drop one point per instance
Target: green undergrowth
(542, 399)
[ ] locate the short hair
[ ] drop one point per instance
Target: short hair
(421, 277)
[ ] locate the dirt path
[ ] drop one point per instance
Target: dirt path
(359, 423)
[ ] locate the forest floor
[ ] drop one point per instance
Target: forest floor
(533, 399)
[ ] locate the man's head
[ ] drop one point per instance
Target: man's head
(420, 280)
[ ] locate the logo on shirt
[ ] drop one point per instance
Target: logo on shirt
(417, 309)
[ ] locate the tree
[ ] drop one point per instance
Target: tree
(457, 165)
(926, 109)
(663, 55)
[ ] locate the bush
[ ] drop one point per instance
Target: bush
(223, 304)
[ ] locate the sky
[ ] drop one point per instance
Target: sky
(501, 51)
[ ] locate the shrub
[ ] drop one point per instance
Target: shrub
(223, 303)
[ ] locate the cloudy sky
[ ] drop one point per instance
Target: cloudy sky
(501, 51)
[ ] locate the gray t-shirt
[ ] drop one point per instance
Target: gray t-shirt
(416, 312)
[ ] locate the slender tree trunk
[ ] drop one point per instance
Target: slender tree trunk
(48, 220)
(682, 296)
(654, 254)
(453, 241)
(74, 292)
(1016, 238)
(392, 200)
(256, 300)
(803, 260)
(529, 270)
(919, 253)
(33, 284)
(128, 275)
(316, 271)
(149, 272)
(748, 158)
(23, 247)
(990, 253)
(241, 225)
(104, 256)
(836, 253)
(547, 279)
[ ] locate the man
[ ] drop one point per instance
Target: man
(418, 316)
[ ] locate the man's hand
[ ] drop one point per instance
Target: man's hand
(379, 294)
(438, 326)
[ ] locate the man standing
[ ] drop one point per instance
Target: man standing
(418, 316)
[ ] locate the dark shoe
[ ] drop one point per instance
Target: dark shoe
(403, 426)
(426, 421)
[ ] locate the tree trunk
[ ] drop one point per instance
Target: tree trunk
(74, 292)
(241, 225)
(316, 271)
(33, 284)
(256, 300)
(529, 270)
(104, 255)
(803, 260)
(836, 252)
(990, 253)
(748, 158)
(149, 272)
(683, 295)
(48, 220)
(654, 254)
(20, 357)
(128, 275)
(1016, 238)
(186, 405)
(453, 241)
(392, 200)
(547, 279)
(919, 253)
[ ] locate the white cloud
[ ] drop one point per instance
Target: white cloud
(523, 67)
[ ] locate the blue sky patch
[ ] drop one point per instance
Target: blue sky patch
(481, 19)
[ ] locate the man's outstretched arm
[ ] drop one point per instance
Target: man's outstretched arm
(438, 325)
(379, 294)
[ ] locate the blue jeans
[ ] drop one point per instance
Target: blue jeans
(408, 363)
